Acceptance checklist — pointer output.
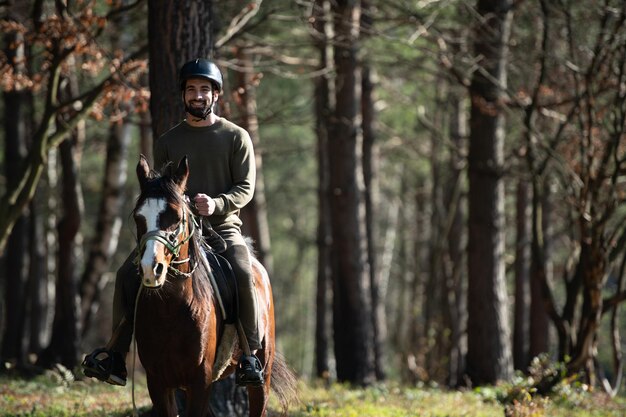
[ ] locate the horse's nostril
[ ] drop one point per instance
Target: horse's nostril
(158, 269)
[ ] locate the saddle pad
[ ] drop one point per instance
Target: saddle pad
(226, 285)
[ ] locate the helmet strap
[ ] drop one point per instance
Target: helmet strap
(198, 116)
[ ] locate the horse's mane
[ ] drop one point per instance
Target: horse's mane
(159, 186)
(162, 186)
(201, 283)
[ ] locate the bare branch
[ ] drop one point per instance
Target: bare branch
(123, 9)
(238, 23)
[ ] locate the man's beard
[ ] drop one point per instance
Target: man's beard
(199, 112)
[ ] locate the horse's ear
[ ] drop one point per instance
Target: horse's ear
(182, 173)
(143, 169)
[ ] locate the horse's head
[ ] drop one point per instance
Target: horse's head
(162, 221)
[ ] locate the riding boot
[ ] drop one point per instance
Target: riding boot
(108, 363)
(249, 370)
(127, 282)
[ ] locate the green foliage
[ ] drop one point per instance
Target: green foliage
(565, 396)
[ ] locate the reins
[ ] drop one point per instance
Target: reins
(132, 377)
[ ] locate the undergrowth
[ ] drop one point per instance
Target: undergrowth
(547, 391)
(48, 395)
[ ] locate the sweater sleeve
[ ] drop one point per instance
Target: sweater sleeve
(243, 172)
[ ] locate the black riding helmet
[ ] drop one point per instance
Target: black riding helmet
(200, 68)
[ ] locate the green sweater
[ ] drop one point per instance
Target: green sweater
(221, 165)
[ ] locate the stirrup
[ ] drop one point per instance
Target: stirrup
(249, 372)
(104, 369)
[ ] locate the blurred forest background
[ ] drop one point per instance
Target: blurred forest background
(441, 183)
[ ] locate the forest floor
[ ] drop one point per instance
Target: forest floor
(47, 395)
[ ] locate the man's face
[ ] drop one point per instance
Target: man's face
(199, 96)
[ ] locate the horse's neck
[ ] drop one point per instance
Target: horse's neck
(176, 293)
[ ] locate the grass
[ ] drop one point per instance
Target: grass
(395, 401)
(48, 395)
(387, 401)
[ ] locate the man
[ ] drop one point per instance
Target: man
(220, 183)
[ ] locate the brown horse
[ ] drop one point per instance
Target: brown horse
(182, 339)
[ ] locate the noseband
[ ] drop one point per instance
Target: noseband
(171, 241)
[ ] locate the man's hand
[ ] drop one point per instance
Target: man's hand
(204, 204)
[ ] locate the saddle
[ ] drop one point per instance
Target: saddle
(226, 283)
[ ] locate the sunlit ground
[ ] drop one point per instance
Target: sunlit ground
(47, 395)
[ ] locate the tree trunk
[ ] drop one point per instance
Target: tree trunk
(38, 303)
(178, 31)
(146, 141)
(592, 265)
(522, 277)
(489, 343)
(16, 260)
(436, 318)
(456, 280)
(39, 297)
(370, 172)
(323, 98)
(371, 156)
(354, 348)
(65, 339)
(254, 215)
(540, 273)
(415, 272)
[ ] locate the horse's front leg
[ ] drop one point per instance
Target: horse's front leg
(198, 401)
(163, 400)
(257, 400)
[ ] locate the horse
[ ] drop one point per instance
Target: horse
(182, 339)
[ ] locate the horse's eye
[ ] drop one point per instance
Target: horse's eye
(172, 237)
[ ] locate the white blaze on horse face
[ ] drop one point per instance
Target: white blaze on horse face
(152, 259)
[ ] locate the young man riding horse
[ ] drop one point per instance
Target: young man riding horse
(221, 183)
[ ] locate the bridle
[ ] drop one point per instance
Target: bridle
(172, 242)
